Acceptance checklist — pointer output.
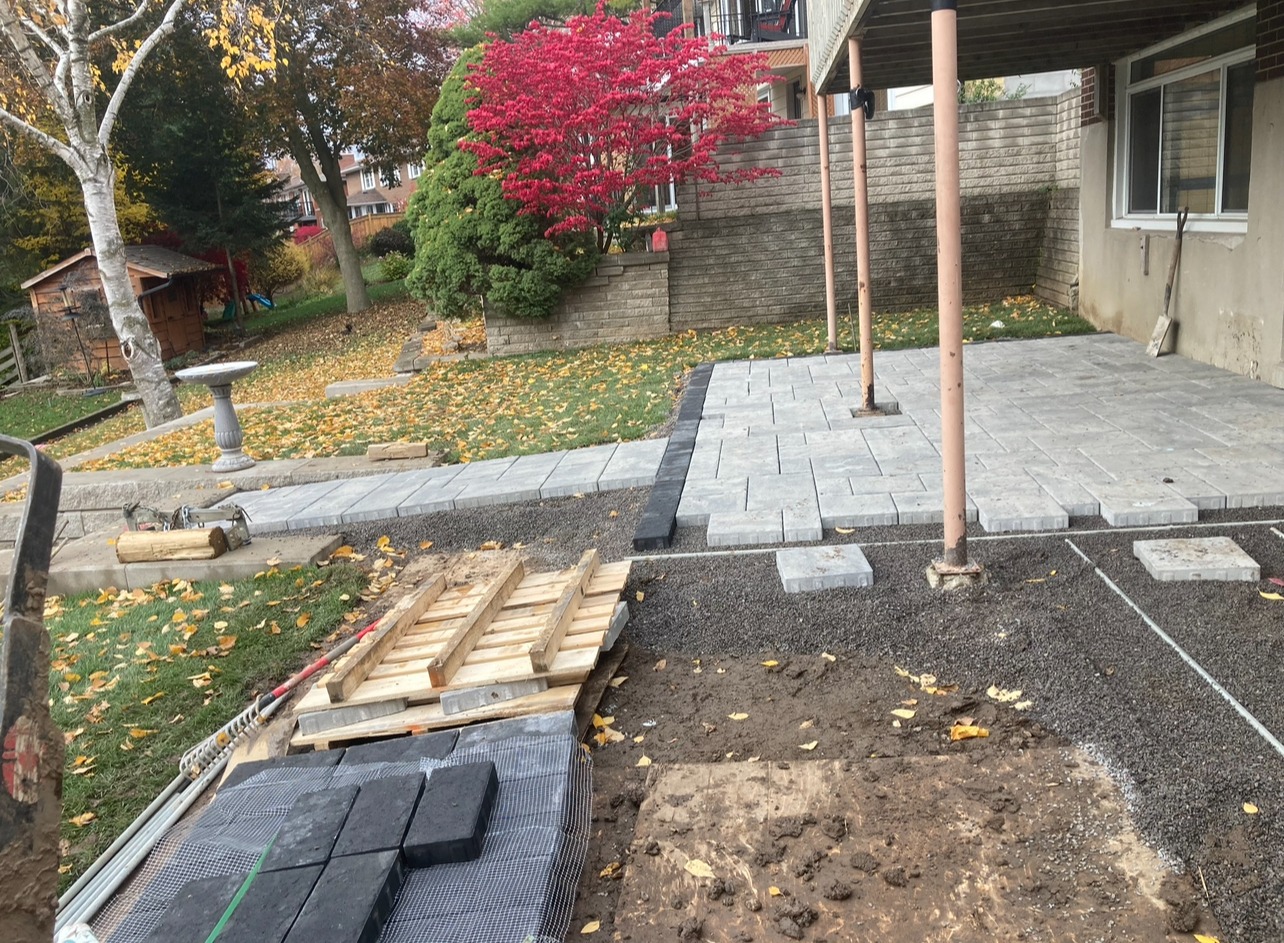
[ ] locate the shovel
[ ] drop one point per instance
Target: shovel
(1165, 322)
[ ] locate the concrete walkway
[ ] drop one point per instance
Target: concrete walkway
(1057, 428)
(446, 487)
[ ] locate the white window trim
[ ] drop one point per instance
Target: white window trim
(1233, 222)
(367, 180)
(414, 171)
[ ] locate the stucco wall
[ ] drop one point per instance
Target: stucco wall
(1229, 301)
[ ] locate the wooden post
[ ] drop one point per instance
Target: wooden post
(17, 353)
(860, 182)
(827, 222)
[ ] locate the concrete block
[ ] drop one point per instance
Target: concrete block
(356, 387)
(744, 528)
(1196, 558)
(701, 498)
(1019, 511)
(455, 702)
(310, 829)
(386, 451)
(857, 510)
(804, 569)
(270, 906)
(380, 815)
(553, 724)
(1140, 502)
(434, 746)
(196, 910)
(352, 900)
(450, 824)
(317, 759)
(315, 722)
(486, 493)
(802, 523)
(635, 464)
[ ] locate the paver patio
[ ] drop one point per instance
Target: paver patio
(1057, 428)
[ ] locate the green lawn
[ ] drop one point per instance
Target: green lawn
(32, 412)
(139, 678)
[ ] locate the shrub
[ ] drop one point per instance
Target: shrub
(396, 238)
(470, 241)
(283, 264)
(304, 233)
(395, 266)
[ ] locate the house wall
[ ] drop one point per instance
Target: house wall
(755, 253)
(1228, 304)
(626, 299)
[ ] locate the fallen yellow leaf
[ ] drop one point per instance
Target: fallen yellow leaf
(845, 530)
(738, 716)
(303, 619)
(967, 732)
(1002, 695)
(591, 927)
(227, 642)
(639, 595)
(1273, 597)
(618, 680)
(809, 746)
(904, 713)
(773, 891)
(425, 544)
(699, 868)
(1205, 938)
(770, 664)
(644, 761)
(80, 821)
(599, 721)
(155, 697)
(138, 732)
(1250, 809)
(828, 657)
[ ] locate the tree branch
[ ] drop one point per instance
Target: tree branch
(44, 139)
(120, 25)
(131, 71)
(44, 37)
(11, 28)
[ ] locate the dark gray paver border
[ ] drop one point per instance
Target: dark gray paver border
(660, 518)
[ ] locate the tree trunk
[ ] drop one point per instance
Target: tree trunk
(332, 201)
(137, 342)
(354, 283)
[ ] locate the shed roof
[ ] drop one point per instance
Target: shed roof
(996, 37)
(149, 260)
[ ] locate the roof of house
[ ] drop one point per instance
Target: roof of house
(368, 197)
(149, 260)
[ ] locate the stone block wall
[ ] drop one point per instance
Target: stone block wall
(627, 298)
(1058, 277)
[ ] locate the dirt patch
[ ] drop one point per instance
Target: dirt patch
(823, 816)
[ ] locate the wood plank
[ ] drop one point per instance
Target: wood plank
(544, 648)
(427, 717)
(356, 665)
(442, 666)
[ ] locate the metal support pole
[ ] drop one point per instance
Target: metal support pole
(949, 276)
(827, 219)
(860, 178)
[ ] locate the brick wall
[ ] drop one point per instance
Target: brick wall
(1058, 276)
(1270, 39)
(755, 253)
(626, 299)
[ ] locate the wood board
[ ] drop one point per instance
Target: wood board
(499, 654)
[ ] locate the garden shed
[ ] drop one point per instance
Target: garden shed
(71, 313)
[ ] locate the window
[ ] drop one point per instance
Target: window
(1189, 125)
(414, 171)
(367, 179)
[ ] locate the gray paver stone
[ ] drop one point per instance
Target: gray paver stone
(857, 510)
(803, 569)
(1196, 558)
(744, 528)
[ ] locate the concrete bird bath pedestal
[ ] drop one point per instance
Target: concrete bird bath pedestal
(227, 428)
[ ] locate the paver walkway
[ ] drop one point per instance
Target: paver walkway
(447, 487)
(1056, 428)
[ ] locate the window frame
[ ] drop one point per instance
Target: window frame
(367, 179)
(415, 170)
(1232, 221)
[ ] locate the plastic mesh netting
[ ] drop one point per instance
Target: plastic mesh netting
(521, 888)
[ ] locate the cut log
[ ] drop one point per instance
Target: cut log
(356, 665)
(544, 649)
(443, 665)
(147, 546)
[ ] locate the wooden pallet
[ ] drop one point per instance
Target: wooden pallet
(512, 628)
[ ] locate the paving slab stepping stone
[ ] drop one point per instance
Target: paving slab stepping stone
(309, 831)
(352, 899)
(1196, 558)
(803, 569)
(196, 910)
(451, 820)
(267, 911)
(380, 816)
(433, 746)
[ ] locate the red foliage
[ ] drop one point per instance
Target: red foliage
(582, 120)
(304, 233)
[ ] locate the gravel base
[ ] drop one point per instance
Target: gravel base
(1045, 623)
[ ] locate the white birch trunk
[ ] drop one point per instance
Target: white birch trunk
(137, 342)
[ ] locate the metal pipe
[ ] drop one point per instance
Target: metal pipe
(949, 275)
(860, 181)
(827, 220)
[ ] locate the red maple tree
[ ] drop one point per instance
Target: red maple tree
(583, 120)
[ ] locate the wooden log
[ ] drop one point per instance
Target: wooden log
(544, 648)
(384, 451)
(356, 665)
(443, 665)
(146, 546)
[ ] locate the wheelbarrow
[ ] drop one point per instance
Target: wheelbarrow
(32, 757)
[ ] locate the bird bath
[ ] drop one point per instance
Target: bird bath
(227, 428)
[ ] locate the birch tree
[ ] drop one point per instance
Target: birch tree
(50, 77)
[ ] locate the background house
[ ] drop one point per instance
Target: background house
(370, 192)
(68, 301)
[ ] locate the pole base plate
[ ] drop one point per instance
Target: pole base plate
(942, 575)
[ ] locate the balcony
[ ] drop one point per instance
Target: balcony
(739, 21)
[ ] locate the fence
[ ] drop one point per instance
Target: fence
(320, 248)
(13, 362)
